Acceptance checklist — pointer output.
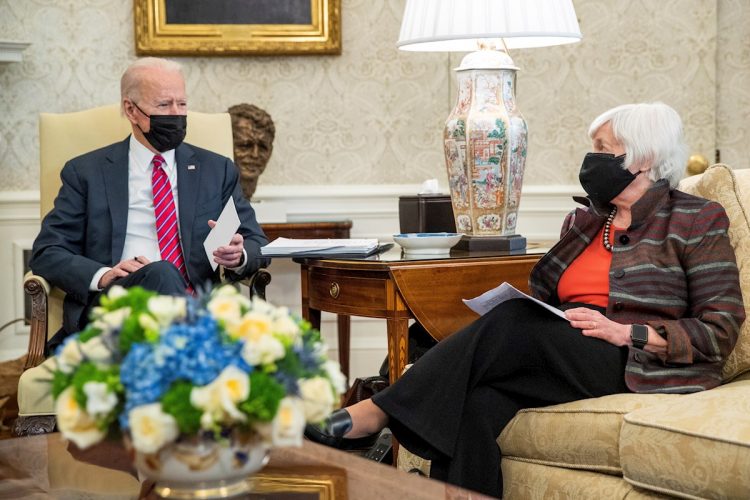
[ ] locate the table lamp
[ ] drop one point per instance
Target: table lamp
(485, 136)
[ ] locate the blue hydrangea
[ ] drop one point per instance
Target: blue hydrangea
(308, 357)
(205, 355)
(143, 379)
(195, 351)
(289, 382)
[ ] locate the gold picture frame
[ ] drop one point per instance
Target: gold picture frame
(318, 33)
(315, 483)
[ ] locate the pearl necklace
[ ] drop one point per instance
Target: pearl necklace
(607, 226)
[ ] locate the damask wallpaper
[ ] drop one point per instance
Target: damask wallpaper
(733, 85)
(374, 115)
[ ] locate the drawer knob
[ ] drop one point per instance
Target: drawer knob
(334, 290)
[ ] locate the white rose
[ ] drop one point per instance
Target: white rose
(99, 400)
(167, 308)
(284, 325)
(97, 311)
(116, 292)
(226, 309)
(151, 428)
(148, 322)
(231, 291)
(288, 425)
(219, 399)
(70, 356)
(263, 351)
(338, 380)
(74, 423)
(97, 351)
(261, 306)
(251, 326)
(114, 319)
(317, 396)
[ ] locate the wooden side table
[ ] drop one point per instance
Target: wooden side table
(314, 230)
(397, 289)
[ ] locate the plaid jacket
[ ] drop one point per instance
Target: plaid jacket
(673, 269)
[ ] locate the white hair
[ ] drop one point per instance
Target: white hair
(130, 82)
(651, 133)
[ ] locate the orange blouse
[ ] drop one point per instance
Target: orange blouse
(587, 278)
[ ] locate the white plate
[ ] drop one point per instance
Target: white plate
(427, 243)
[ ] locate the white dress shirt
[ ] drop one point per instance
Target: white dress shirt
(140, 234)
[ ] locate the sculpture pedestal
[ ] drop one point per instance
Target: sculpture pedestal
(491, 243)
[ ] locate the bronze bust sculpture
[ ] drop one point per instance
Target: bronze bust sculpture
(253, 132)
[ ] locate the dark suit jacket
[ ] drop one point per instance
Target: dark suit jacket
(86, 228)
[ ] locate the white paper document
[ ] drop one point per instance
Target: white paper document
(489, 299)
(328, 246)
(222, 233)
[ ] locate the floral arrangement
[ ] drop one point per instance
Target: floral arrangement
(164, 368)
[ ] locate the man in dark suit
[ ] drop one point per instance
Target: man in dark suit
(137, 212)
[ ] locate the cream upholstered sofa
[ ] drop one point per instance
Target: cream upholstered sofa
(644, 445)
(62, 137)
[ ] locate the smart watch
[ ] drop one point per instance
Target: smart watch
(639, 336)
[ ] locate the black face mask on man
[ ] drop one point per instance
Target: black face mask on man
(603, 177)
(165, 131)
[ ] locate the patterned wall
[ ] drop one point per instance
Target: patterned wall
(374, 115)
(733, 86)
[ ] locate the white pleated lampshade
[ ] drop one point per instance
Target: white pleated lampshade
(458, 25)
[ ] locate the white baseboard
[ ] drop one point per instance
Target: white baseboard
(373, 210)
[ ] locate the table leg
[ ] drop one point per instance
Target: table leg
(398, 347)
(344, 331)
(313, 316)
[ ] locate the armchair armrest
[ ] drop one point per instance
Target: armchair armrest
(257, 283)
(38, 289)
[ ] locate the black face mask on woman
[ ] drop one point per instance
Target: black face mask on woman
(603, 177)
(165, 131)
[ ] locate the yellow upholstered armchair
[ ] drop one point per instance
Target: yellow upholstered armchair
(62, 137)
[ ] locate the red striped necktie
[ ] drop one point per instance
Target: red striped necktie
(166, 219)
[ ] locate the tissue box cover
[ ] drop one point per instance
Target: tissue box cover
(426, 213)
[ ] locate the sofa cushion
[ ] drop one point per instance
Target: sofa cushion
(582, 434)
(696, 446)
(732, 189)
(529, 480)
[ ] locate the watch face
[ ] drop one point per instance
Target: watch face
(639, 335)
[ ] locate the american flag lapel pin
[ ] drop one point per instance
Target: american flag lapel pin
(191, 167)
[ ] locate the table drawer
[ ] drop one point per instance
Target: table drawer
(346, 294)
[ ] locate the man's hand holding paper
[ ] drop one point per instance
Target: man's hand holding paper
(224, 246)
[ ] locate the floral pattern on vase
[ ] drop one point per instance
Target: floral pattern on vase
(485, 141)
(204, 467)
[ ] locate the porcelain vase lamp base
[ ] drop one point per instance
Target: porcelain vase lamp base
(485, 142)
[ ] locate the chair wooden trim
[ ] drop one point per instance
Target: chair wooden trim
(37, 289)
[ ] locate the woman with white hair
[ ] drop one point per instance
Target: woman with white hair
(650, 288)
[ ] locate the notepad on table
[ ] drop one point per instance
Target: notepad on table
(290, 247)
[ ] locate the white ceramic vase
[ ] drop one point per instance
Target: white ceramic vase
(203, 467)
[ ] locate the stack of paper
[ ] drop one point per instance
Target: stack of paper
(491, 298)
(297, 247)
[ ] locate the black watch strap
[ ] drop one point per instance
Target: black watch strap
(639, 336)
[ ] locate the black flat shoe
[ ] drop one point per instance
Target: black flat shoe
(331, 433)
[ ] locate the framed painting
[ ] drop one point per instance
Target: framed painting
(237, 27)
